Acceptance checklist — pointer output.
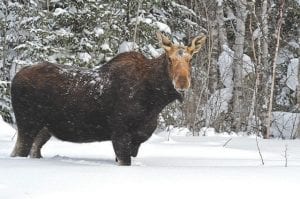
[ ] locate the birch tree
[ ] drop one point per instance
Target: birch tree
(263, 87)
(257, 60)
(3, 36)
(221, 25)
(5, 103)
(298, 87)
(238, 109)
(278, 32)
(298, 54)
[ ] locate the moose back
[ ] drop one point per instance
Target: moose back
(120, 101)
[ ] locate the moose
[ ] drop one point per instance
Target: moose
(119, 101)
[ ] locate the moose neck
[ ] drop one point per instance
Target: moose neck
(160, 82)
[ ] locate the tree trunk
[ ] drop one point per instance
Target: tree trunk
(278, 31)
(3, 70)
(221, 25)
(298, 86)
(257, 59)
(264, 87)
(238, 110)
(298, 89)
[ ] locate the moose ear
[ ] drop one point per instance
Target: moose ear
(196, 44)
(164, 41)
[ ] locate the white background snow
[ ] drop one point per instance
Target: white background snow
(292, 74)
(181, 167)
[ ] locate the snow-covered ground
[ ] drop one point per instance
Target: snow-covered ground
(183, 167)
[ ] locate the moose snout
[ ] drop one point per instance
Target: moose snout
(182, 83)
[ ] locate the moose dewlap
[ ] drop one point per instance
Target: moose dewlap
(120, 101)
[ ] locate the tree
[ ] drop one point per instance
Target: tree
(238, 108)
(278, 31)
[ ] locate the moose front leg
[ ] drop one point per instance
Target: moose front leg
(122, 148)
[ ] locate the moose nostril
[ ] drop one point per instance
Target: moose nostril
(182, 79)
(181, 83)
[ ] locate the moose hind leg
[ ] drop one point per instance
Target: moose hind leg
(23, 145)
(42, 137)
(135, 148)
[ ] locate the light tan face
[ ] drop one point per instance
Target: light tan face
(180, 58)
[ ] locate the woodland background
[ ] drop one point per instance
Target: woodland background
(246, 79)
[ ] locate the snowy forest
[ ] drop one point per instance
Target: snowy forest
(245, 79)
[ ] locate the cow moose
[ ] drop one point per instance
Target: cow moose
(120, 101)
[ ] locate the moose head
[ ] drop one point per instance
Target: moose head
(180, 60)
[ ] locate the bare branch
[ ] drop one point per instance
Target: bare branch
(227, 142)
(286, 156)
(259, 152)
(136, 24)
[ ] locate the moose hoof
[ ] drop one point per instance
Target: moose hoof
(123, 162)
(35, 155)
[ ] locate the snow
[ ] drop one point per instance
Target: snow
(23, 62)
(191, 23)
(105, 46)
(59, 11)
(294, 44)
(217, 104)
(141, 19)
(6, 131)
(230, 15)
(248, 66)
(284, 56)
(4, 82)
(183, 167)
(159, 25)
(178, 131)
(21, 46)
(220, 2)
(225, 66)
(283, 97)
(257, 33)
(34, 3)
(292, 74)
(162, 27)
(154, 52)
(284, 124)
(98, 31)
(127, 46)
(64, 32)
(183, 8)
(87, 32)
(85, 57)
